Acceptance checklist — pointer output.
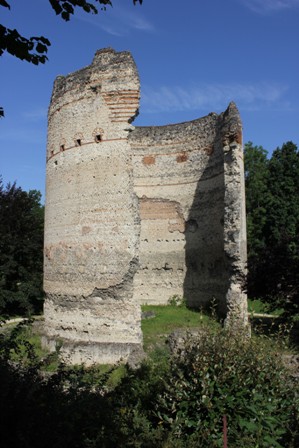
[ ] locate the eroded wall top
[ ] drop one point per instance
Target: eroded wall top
(97, 102)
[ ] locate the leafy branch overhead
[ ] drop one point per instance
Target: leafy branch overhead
(31, 50)
(35, 48)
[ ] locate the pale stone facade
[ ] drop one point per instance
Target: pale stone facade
(135, 215)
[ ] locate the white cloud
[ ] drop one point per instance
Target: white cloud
(118, 21)
(214, 97)
(36, 114)
(265, 6)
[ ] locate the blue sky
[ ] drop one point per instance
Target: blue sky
(193, 58)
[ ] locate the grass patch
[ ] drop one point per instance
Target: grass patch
(257, 306)
(161, 321)
(166, 319)
(27, 347)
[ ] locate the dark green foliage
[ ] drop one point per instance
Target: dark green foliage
(272, 190)
(160, 405)
(256, 184)
(227, 374)
(21, 250)
(63, 410)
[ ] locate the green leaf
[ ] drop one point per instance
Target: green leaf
(5, 4)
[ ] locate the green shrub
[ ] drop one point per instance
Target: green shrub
(169, 402)
(177, 300)
(223, 373)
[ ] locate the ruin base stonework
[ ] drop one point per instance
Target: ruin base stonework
(135, 214)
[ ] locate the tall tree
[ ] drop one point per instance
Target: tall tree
(21, 250)
(257, 196)
(272, 189)
(282, 228)
(283, 213)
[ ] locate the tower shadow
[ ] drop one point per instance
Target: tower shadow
(206, 279)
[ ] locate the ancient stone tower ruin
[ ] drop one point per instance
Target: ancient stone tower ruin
(135, 215)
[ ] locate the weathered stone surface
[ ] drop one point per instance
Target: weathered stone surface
(92, 218)
(135, 215)
(181, 205)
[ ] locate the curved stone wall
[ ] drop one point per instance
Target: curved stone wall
(179, 180)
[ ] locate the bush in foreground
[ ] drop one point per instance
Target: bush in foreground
(223, 373)
(170, 403)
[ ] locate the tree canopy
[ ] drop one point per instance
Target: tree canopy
(21, 250)
(272, 201)
(34, 49)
